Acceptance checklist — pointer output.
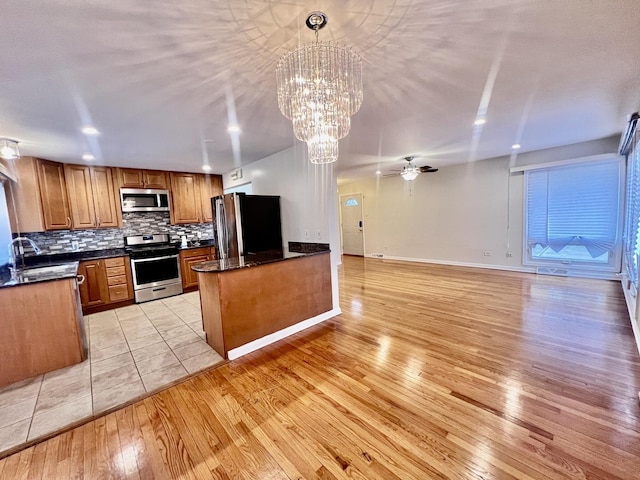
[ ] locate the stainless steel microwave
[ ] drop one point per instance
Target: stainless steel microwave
(144, 200)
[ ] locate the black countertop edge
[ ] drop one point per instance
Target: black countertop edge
(29, 276)
(59, 258)
(246, 261)
(201, 244)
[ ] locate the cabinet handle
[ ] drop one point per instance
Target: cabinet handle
(80, 279)
(68, 221)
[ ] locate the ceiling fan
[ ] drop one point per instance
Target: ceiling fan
(410, 171)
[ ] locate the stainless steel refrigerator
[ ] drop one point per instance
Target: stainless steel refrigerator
(246, 224)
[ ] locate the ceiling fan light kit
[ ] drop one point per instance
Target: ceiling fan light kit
(319, 89)
(9, 149)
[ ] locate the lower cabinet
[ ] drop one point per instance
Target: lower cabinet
(106, 281)
(192, 257)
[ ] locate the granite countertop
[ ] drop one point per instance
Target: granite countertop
(245, 261)
(32, 275)
(59, 258)
(200, 244)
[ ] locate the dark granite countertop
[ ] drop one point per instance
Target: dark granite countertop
(59, 258)
(245, 261)
(200, 244)
(31, 275)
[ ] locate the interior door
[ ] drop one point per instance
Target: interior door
(352, 226)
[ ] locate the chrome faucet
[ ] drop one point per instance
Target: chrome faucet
(12, 251)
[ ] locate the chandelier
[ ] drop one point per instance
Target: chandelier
(319, 88)
(9, 149)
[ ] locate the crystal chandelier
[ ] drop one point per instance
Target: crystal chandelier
(319, 88)
(9, 149)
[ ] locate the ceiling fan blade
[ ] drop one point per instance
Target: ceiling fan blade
(390, 174)
(427, 169)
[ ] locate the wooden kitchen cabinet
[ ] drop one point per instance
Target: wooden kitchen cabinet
(135, 178)
(23, 198)
(91, 197)
(210, 186)
(53, 191)
(107, 281)
(192, 257)
(185, 198)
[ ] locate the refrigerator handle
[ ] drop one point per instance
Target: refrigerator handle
(222, 242)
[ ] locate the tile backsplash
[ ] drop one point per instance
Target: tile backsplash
(60, 241)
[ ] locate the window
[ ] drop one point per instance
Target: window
(573, 215)
(632, 216)
(351, 202)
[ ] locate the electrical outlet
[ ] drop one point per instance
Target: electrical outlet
(199, 235)
(509, 254)
(319, 235)
(74, 246)
(487, 253)
(306, 234)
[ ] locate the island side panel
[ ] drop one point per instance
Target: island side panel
(211, 314)
(40, 333)
(260, 300)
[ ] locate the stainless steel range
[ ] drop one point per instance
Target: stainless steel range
(155, 266)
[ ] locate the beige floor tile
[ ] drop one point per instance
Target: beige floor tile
(191, 350)
(56, 396)
(139, 342)
(112, 363)
(201, 361)
(57, 418)
(107, 380)
(20, 391)
(176, 331)
(14, 434)
(187, 338)
(104, 353)
(15, 412)
(163, 377)
(157, 362)
(65, 378)
(117, 395)
(106, 340)
(150, 351)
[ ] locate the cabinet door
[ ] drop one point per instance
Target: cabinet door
(189, 277)
(104, 197)
(94, 291)
(210, 186)
(155, 179)
(55, 203)
(131, 178)
(78, 179)
(23, 198)
(185, 198)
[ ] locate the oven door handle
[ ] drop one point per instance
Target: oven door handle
(153, 259)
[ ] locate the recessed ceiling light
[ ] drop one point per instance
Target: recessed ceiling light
(378, 172)
(90, 131)
(233, 129)
(516, 146)
(206, 168)
(88, 157)
(480, 121)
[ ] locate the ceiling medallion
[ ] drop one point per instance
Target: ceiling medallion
(319, 88)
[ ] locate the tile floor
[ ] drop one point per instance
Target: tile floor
(132, 351)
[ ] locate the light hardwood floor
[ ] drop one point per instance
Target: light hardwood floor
(430, 372)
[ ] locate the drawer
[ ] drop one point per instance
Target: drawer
(117, 280)
(196, 252)
(118, 293)
(115, 271)
(114, 262)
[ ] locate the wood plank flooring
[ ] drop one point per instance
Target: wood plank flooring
(430, 372)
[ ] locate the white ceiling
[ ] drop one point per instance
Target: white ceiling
(157, 78)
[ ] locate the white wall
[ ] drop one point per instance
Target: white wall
(308, 198)
(455, 215)
(5, 228)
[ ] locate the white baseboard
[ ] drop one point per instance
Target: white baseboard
(280, 334)
(631, 307)
(457, 264)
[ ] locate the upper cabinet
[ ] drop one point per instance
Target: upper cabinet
(23, 198)
(134, 178)
(53, 191)
(210, 186)
(91, 196)
(191, 197)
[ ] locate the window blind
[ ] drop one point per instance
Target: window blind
(574, 205)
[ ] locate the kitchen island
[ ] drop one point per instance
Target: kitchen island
(251, 301)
